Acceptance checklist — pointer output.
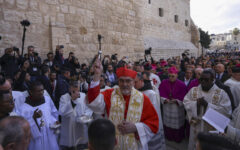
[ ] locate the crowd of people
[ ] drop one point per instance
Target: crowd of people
(111, 104)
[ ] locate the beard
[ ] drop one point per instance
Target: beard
(126, 91)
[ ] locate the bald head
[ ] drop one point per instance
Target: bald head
(16, 133)
(198, 72)
(220, 68)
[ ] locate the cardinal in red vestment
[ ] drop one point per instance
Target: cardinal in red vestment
(132, 113)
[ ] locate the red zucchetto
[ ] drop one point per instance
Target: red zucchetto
(124, 72)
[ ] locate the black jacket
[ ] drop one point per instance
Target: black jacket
(62, 88)
(10, 65)
(227, 90)
(224, 77)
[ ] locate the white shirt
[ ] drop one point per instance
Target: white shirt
(186, 81)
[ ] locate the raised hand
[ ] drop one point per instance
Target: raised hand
(97, 69)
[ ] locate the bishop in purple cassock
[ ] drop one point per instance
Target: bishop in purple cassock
(172, 92)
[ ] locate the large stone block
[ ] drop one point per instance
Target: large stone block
(43, 7)
(22, 4)
(52, 2)
(60, 17)
(10, 2)
(33, 5)
(13, 15)
(34, 17)
(72, 9)
(64, 8)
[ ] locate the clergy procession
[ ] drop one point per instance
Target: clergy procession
(120, 105)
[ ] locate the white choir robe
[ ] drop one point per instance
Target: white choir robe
(223, 106)
(45, 139)
(235, 88)
(20, 97)
(73, 132)
(105, 88)
(233, 129)
(155, 80)
(144, 132)
(158, 140)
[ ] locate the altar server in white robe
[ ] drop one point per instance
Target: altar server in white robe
(198, 99)
(234, 84)
(41, 114)
(72, 106)
(143, 84)
(233, 129)
(20, 97)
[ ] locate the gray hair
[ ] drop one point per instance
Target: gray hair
(12, 129)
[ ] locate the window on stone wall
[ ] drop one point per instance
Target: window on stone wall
(160, 12)
(186, 23)
(176, 18)
(149, 1)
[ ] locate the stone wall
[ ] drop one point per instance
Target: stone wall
(76, 24)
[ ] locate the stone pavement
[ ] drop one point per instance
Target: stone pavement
(177, 146)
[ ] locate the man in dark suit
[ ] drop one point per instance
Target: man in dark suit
(44, 79)
(220, 74)
(62, 85)
(187, 78)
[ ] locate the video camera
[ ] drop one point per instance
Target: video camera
(114, 57)
(148, 51)
(15, 49)
(25, 23)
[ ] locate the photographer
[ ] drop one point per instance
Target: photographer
(59, 59)
(10, 61)
(106, 60)
(35, 62)
(49, 60)
(148, 53)
(72, 63)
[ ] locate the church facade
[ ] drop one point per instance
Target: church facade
(128, 26)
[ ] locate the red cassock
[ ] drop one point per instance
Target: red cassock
(149, 115)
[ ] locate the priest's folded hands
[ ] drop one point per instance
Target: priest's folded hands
(202, 102)
(126, 127)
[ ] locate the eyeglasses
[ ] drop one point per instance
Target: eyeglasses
(171, 76)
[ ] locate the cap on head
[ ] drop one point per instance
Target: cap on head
(173, 70)
(124, 72)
